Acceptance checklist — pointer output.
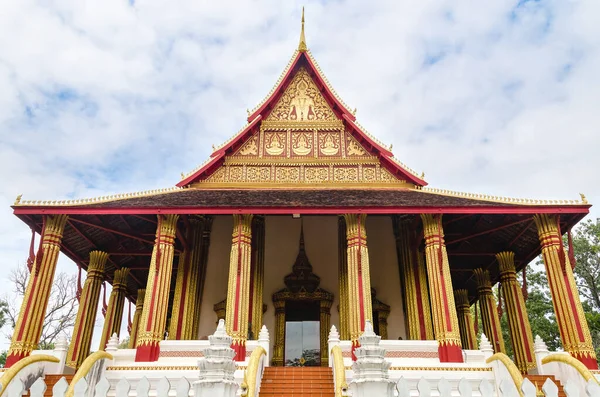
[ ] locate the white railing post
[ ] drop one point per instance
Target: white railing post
(264, 342)
(333, 340)
(540, 350)
(61, 347)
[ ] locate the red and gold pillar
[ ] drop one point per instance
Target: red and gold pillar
(573, 327)
(445, 321)
(154, 315)
(343, 278)
(135, 325)
(360, 307)
(488, 309)
(79, 348)
(238, 288)
(28, 328)
(257, 275)
(468, 336)
(116, 303)
(205, 244)
(518, 321)
(414, 280)
(187, 282)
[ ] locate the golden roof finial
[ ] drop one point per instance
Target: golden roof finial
(18, 200)
(302, 45)
(583, 199)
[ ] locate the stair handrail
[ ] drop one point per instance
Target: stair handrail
(339, 372)
(254, 372)
(512, 369)
(571, 361)
(85, 368)
(13, 371)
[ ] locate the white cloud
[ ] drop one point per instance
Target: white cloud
(103, 97)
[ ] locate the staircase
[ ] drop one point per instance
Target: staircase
(539, 380)
(51, 381)
(297, 382)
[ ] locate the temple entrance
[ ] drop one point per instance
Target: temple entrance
(302, 334)
(302, 313)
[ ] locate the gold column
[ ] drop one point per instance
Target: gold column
(28, 328)
(445, 321)
(279, 333)
(258, 269)
(116, 303)
(343, 278)
(187, 282)
(154, 313)
(135, 325)
(79, 348)
(207, 226)
(488, 310)
(518, 321)
(359, 280)
(325, 319)
(573, 327)
(414, 279)
(238, 288)
(468, 336)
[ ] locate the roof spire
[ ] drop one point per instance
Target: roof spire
(302, 45)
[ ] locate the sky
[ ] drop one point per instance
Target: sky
(101, 97)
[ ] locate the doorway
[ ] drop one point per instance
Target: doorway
(302, 334)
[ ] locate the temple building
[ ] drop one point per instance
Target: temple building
(301, 221)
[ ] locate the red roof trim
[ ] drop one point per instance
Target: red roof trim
(581, 209)
(220, 154)
(276, 91)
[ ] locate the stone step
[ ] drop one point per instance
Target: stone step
(51, 381)
(539, 380)
(297, 382)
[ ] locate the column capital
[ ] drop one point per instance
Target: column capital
(96, 265)
(484, 284)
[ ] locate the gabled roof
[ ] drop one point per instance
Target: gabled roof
(303, 60)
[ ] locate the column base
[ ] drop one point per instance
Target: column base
(450, 353)
(589, 362)
(12, 358)
(240, 351)
(148, 352)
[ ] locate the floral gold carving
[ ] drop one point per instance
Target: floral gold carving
(288, 174)
(250, 148)
(302, 101)
(345, 174)
(354, 149)
(316, 174)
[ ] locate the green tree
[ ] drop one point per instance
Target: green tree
(586, 249)
(3, 358)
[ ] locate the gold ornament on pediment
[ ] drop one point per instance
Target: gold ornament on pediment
(275, 143)
(354, 149)
(250, 148)
(302, 101)
(329, 143)
(301, 143)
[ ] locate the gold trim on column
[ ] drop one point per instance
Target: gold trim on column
(488, 309)
(135, 325)
(343, 278)
(445, 320)
(468, 336)
(238, 288)
(573, 327)
(154, 313)
(359, 281)
(205, 245)
(28, 328)
(518, 321)
(116, 303)
(413, 275)
(258, 269)
(79, 348)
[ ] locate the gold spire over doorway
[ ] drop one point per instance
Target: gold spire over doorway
(302, 45)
